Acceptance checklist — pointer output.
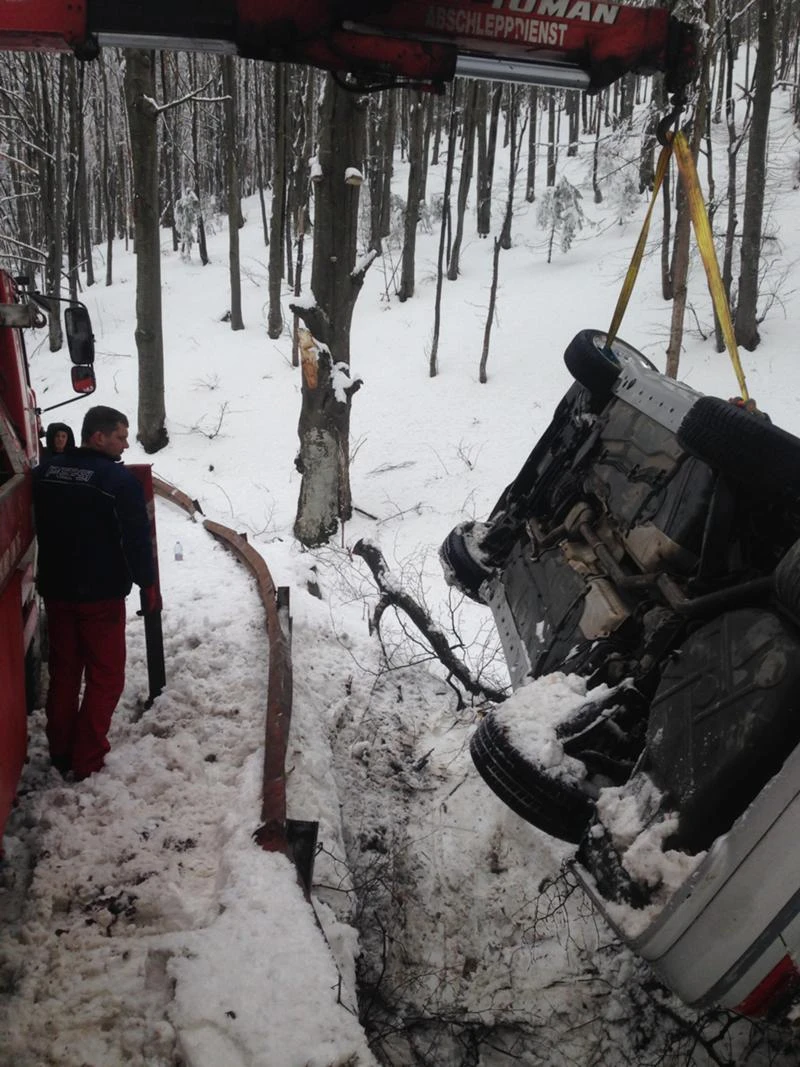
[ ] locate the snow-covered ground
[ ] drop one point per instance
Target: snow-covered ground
(140, 924)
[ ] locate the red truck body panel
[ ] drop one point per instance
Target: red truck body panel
(407, 40)
(19, 451)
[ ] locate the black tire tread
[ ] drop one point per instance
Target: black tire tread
(587, 364)
(548, 803)
(469, 574)
(741, 445)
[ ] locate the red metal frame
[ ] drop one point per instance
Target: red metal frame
(19, 447)
(416, 40)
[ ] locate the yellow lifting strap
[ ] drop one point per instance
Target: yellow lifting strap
(678, 145)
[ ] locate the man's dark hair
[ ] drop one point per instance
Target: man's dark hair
(101, 418)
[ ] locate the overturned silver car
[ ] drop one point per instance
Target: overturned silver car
(650, 546)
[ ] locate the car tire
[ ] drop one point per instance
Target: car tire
(741, 445)
(456, 558)
(552, 804)
(590, 363)
(723, 720)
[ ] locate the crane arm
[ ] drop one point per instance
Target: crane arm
(584, 44)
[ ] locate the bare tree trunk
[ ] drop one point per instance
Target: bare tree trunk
(259, 124)
(109, 182)
(168, 157)
(427, 105)
(336, 280)
(277, 216)
(487, 145)
(734, 144)
(598, 195)
(533, 129)
(647, 163)
(552, 146)
(51, 176)
(304, 105)
(232, 182)
(83, 186)
(140, 87)
(573, 106)
(380, 161)
(746, 321)
(680, 258)
(666, 236)
(74, 122)
(416, 171)
(298, 283)
(464, 179)
(198, 188)
(504, 240)
(433, 365)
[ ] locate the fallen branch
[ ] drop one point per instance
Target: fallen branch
(392, 594)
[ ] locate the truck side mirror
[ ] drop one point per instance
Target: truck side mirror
(83, 379)
(80, 339)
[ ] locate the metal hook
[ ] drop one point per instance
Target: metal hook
(662, 130)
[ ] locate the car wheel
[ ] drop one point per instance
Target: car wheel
(742, 445)
(463, 570)
(723, 719)
(590, 363)
(555, 805)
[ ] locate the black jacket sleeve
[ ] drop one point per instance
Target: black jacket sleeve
(135, 529)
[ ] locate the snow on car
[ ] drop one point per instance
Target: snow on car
(647, 559)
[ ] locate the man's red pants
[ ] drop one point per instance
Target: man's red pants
(87, 642)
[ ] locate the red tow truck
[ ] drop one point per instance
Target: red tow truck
(20, 309)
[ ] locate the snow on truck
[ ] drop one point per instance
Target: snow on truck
(21, 309)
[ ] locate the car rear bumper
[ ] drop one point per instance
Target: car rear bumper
(736, 919)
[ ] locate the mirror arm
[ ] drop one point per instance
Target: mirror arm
(72, 399)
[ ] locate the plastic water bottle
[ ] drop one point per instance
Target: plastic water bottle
(178, 550)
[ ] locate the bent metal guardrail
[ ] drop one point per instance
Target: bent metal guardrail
(296, 838)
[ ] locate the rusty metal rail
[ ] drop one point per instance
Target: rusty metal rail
(276, 833)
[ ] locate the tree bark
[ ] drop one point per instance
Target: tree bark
(336, 279)
(573, 105)
(533, 128)
(277, 216)
(143, 122)
(416, 172)
(487, 145)
(232, 182)
(734, 144)
(746, 321)
(198, 186)
(109, 182)
(680, 258)
(433, 364)
(51, 173)
(465, 178)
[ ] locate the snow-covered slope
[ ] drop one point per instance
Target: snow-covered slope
(140, 924)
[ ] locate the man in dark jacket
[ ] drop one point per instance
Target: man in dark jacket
(94, 542)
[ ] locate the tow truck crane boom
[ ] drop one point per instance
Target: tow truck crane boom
(581, 44)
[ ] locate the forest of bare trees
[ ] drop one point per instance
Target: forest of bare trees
(145, 148)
